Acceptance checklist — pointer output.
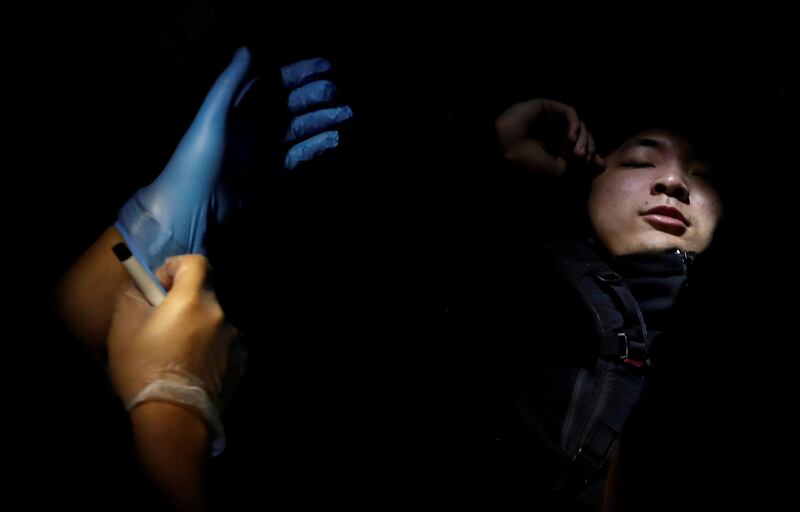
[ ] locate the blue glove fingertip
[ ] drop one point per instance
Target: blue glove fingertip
(310, 149)
(303, 71)
(311, 95)
(318, 121)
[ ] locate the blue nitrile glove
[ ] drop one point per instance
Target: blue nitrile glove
(171, 215)
(311, 130)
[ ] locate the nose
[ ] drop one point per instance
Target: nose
(673, 183)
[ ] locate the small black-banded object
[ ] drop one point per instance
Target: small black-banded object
(152, 291)
(121, 251)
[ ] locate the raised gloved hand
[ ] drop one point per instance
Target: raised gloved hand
(202, 184)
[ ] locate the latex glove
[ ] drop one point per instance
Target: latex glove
(200, 185)
(181, 351)
(312, 130)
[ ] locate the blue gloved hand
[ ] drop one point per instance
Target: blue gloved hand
(200, 185)
(311, 131)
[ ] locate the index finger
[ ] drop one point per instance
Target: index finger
(303, 71)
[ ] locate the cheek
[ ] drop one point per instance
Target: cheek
(611, 194)
(604, 208)
(710, 209)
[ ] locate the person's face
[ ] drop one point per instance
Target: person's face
(654, 195)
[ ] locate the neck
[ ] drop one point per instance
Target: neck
(654, 278)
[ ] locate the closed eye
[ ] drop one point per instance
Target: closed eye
(637, 164)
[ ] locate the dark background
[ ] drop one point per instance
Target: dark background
(372, 242)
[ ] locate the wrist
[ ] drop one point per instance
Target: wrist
(187, 395)
(163, 418)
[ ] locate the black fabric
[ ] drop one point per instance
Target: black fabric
(462, 402)
(655, 280)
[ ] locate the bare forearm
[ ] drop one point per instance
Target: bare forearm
(173, 446)
(85, 296)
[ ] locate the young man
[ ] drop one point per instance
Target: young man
(567, 322)
(657, 168)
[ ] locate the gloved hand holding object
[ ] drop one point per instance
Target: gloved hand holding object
(182, 351)
(204, 182)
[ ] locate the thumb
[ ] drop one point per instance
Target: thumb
(201, 150)
(204, 137)
(184, 275)
(219, 99)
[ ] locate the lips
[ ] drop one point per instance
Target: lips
(668, 211)
(668, 219)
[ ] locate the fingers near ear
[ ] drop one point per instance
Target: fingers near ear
(580, 145)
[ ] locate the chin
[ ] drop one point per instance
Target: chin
(651, 243)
